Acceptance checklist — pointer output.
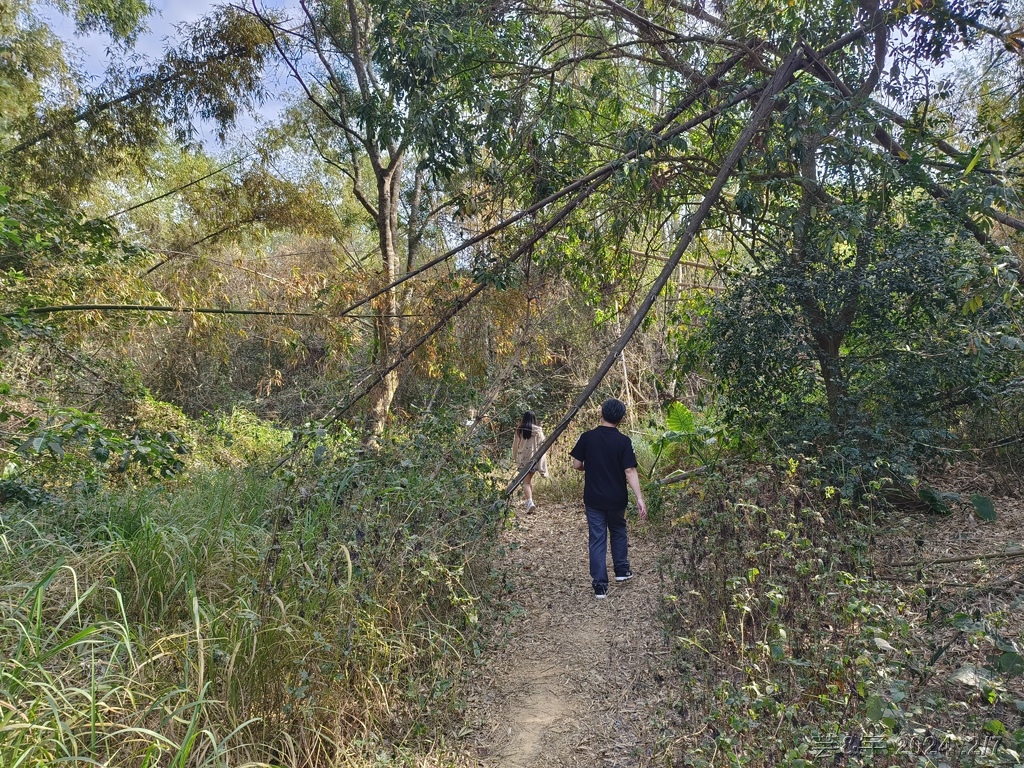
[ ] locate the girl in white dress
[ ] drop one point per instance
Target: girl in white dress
(527, 439)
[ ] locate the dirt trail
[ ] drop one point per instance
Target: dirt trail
(575, 681)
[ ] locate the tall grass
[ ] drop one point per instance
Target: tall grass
(80, 688)
(234, 621)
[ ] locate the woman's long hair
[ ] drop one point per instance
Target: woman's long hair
(526, 428)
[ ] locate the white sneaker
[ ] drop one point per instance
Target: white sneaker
(530, 506)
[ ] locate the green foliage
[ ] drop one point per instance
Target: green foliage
(157, 453)
(38, 235)
(60, 449)
(34, 57)
(435, 58)
(680, 419)
(864, 359)
(118, 707)
(306, 614)
(430, 88)
(50, 255)
(937, 502)
(984, 507)
(62, 145)
(686, 441)
(216, 70)
(249, 438)
(118, 712)
(121, 20)
(790, 643)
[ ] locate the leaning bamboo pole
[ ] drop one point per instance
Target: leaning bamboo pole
(778, 83)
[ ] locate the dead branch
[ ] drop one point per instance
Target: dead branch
(678, 477)
(154, 308)
(1015, 552)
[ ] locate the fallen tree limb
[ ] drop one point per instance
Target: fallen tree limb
(155, 308)
(1015, 552)
(678, 477)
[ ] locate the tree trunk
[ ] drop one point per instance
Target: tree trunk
(386, 323)
(827, 332)
(832, 376)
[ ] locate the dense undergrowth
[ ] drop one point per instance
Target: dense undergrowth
(228, 618)
(797, 647)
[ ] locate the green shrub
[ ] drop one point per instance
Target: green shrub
(788, 640)
(235, 619)
(61, 449)
(865, 354)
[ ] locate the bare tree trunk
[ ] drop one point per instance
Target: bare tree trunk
(832, 377)
(385, 343)
(625, 371)
(827, 340)
(387, 323)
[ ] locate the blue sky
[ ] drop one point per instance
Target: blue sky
(169, 14)
(92, 50)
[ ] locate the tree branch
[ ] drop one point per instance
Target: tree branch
(154, 308)
(1016, 552)
(761, 112)
(177, 189)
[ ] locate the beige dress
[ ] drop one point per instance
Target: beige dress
(522, 450)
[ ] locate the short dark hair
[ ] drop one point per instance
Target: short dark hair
(613, 411)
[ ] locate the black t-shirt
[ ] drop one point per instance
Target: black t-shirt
(606, 454)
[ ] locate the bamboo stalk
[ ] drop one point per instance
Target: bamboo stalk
(155, 308)
(778, 83)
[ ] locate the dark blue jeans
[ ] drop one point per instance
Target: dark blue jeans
(601, 525)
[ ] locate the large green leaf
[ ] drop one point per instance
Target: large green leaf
(680, 418)
(936, 501)
(875, 707)
(984, 507)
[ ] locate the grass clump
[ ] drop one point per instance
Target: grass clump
(238, 620)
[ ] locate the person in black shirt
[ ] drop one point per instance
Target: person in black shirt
(606, 458)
